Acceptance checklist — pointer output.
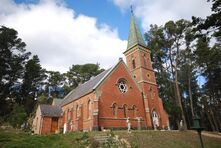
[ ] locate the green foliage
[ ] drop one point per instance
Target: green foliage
(159, 139)
(82, 73)
(12, 60)
(113, 141)
(83, 140)
(18, 116)
(213, 22)
(33, 78)
(182, 51)
(168, 58)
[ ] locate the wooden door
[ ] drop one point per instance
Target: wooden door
(54, 124)
(80, 121)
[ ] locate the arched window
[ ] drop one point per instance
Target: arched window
(145, 61)
(77, 111)
(134, 111)
(114, 110)
(125, 110)
(89, 109)
(133, 63)
(68, 115)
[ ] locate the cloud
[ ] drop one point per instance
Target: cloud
(60, 36)
(160, 11)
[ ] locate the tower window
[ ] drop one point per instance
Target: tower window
(145, 61)
(148, 76)
(150, 88)
(133, 64)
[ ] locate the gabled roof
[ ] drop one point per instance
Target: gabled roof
(135, 36)
(87, 87)
(50, 110)
(57, 101)
(84, 89)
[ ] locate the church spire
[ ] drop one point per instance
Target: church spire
(135, 36)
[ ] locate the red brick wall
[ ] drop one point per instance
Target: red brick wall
(146, 79)
(110, 94)
(81, 103)
(46, 125)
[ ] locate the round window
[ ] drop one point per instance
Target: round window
(122, 86)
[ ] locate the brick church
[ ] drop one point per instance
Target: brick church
(125, 91)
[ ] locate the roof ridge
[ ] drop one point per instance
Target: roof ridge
(88, 86)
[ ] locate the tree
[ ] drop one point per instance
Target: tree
(55, 84)
(12, 60)
(81, 73)
(208, 57)
(213, 22)
(17, 116)
(32, 83)
(172, 50)
(209, 61)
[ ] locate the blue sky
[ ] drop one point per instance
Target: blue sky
(66, 32)
(103, 10)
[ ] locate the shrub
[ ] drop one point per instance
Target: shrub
(17, 116)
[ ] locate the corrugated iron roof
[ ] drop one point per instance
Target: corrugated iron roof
(50, 110)
(84, 89)
(87, 87)
(57, 101)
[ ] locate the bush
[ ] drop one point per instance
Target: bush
(17, 116)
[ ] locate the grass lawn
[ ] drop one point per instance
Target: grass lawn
(140, 139)
(169, 139)
(9, 139)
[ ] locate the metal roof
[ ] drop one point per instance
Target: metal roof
(57, 101)
(135, 36)
(88, 86)
(50, 110)
(85, 88)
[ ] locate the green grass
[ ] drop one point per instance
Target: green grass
(140, 139)
(25, 140)
(169, 139)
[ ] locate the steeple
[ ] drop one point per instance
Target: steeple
(135, 36)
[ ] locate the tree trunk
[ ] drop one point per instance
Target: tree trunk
(210, 120)
(179, 97)
(214, 120)
(190, 90)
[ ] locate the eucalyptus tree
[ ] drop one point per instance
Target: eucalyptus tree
(172, 46)
(13, 57)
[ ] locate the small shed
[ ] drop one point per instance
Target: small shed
(47, 120)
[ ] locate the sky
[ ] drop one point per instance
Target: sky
(67, 32)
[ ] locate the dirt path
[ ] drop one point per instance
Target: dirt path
(211, 135)
(215, 135)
